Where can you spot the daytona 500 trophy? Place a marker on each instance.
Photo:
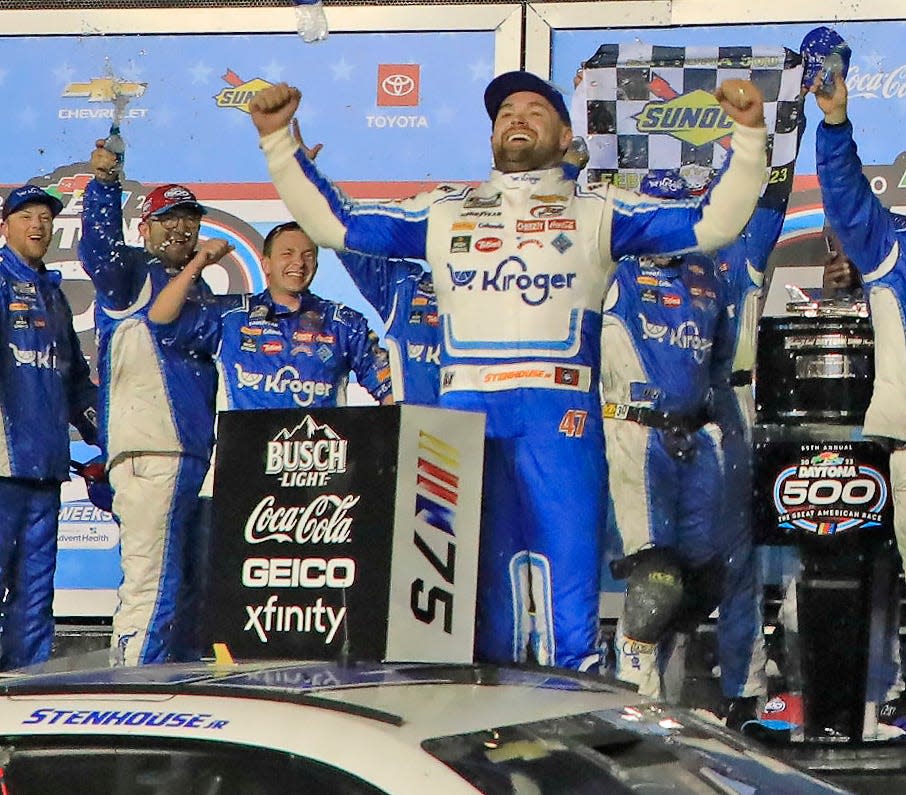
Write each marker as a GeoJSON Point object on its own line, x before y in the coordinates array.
{"type": "Point", "coordinates": [823, 488]}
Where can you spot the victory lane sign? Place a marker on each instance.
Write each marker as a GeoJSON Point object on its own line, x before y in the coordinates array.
{"type": "Point", "coordinates": [348, 532]}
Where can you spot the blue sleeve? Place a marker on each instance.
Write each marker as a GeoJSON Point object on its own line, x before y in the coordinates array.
{"type": "Point", "coordinates": [648, 226]}
{"type": "Point", "coordinates": [367, 359]}
{"type": "Point", "coordinates": [199, 327]}
{"type": "Point", "coordinates": [332, 219]}
{"type": "Point", "coordinates": [865, 227]}
{"type": "Point", "coordinates": [380, 279]}
{"type": "Point", "coordinates": [82, 392]}
{"type": "Point", "coordinates": [108, 261]}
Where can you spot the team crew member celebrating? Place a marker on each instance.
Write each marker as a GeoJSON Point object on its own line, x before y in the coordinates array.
{"type": "Point", "coordinates": [874, 240]}
{"type": "Point", "coordinates": [521, 330]}
{"type": "Point", "coordinates": [284, 347]}
{"type": "Point", "coordinates": [157, 402]}
{"type": "Point", "coordinates": [44, 385]}
{"type": "Point", "coordinates": [666, 338]}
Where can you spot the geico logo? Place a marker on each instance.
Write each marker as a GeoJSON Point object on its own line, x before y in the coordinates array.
{"type": "Point", "coordinates": [298, 573]}
{"type": "Point", "coordinates": [321, 455]}
{"type": "Point", "coordinates": [535, 289]}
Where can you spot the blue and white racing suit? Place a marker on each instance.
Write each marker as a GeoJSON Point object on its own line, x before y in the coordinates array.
{"type": "Point", "coordinates": [270, 357]}
{"type": "Point", "coordinates": [44, 386]}
{"type": "Point", "coordinates": [157, 418]}
{"type": "Point", "coordinates": [666, 349]}
{"type": "Point", "coordinates": [402, 293]}
{"type": "Point", "coordinates": [740, 637]}
{"type": "Point", "coordinates": [520, 265]}
{"type": "Point", "coordinates": [874, 239]}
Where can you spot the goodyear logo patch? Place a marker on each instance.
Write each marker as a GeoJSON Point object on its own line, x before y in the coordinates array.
{"type": "Point", "coordinates": [695, 118]}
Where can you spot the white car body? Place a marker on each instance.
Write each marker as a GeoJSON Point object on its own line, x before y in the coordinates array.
{"type": "Point", "coordinates": [407, 729]}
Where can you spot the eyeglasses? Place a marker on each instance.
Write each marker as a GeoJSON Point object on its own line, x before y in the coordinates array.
{"type": "Point", "coordinates": [171, 221]}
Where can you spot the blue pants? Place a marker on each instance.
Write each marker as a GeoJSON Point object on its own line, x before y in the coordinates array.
{"type": "Point", "coordinates": [740, 641]}
{"type": "Point", "coordinates": [29, 512]}
{"type": "Point", "coordinates": [540, 553]}
{"type": "Point", "coordinates": [662, 500]}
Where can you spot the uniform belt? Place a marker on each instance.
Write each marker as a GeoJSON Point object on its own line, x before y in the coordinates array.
{"type": "Point", "coordinates": [518, 375]}
{"type": "Point", "coordinates": [741, 378]}
{"type": "Point", "coordinates": [662, 420]}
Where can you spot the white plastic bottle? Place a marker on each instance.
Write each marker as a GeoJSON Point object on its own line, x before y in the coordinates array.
{"type": "Point", "coordinates": [311, 21]}
{"type": "Point", "coordinates": [833, 66]}
{"type": "Point", "coordinates": [115, 144]}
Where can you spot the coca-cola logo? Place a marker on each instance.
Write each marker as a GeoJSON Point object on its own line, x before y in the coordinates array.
{"type": "Point", "coordinates": [877, 85]}
{"type": "Point", "coordinates": [323, 521]}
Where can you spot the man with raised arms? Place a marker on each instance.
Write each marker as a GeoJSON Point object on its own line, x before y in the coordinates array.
{"type": "Point", "coordinates": [520, 266]}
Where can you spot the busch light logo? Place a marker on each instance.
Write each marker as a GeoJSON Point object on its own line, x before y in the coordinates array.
{"type": "Point", "coordinates": [306, 455]}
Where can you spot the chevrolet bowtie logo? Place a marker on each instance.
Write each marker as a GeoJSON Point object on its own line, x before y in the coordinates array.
{"type": "Point", "coordinates": [104, 89]}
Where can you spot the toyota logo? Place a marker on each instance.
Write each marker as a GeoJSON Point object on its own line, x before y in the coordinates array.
{"type": "Point", "coordinates": [398, 85]}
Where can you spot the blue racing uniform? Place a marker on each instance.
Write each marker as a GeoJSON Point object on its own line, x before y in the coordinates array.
{"type": "Point", "coordinates": [44, 386]}
{"type": "Point", "coordinates": [667, 350]}
{"type": "Point", "coordinates": [269, 356]}
{"type": "Point", "coordinates": [740, 637]}
{"type": "Point", "coordinates": [874, 239]}
{"type": "Point", "coordinates": [157, 418]}
{"type": "Point", "coordinates": [520, 265]}
{"type": "Point", "coordinates": [402, 293]}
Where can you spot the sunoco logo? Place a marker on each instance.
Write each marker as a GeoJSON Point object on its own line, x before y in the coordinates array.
{"type": "Point", "coordinates": [306, 455]}
{"type": "Point", "coordinates": [240, 92]}
{"type": "Point", "coordinates": [694, 117]}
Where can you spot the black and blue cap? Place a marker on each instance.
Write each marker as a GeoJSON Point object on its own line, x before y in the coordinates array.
{"type": "Point", "coordinates": [511, 82]}
{"type": "Point", "coordinates": [29, 194]}
{"type": "Point", "coordinates": [817, 44]}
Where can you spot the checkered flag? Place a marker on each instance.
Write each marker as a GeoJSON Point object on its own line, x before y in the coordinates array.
{"type": "Point", "coordinates": [644, 107]}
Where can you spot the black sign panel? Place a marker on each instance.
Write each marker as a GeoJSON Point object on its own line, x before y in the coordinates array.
{"type": "Point", "coordinates": [303, 525]}
{"type": "Point", "coordinates": [813, 488]}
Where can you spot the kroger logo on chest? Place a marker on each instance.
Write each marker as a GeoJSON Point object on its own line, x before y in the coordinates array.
{"type": "Point", "coordinates": [512, 275]}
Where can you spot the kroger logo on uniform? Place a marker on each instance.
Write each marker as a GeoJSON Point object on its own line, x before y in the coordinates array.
{"type": "Point", "coordinates": [286, 379]}
{"type": "Point", "coordinates": [685, 336]}
{"type": "Point", "coordinates": [512, 274]}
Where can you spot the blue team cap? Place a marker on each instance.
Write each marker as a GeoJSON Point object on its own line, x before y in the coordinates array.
{"type": "Point", "coordinates": [816, 46]}
{"type": "Point", "coordinates": [665, 184]}
{"type": "Point", "coordinates": [511, 82]}
{"type": "Point", "coordinates": [30, 194]}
